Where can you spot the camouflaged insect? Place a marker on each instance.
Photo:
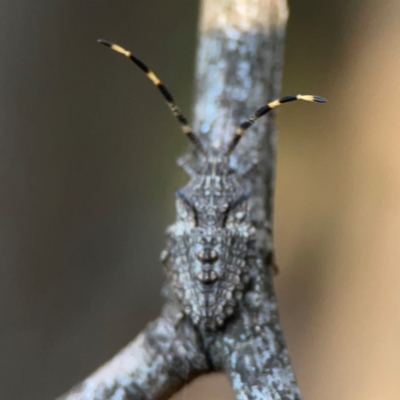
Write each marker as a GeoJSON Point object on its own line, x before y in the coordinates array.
{"type": "Point", "coordinates": [211, 244]}
{"type": "Point", "coordinates": [211, 258]}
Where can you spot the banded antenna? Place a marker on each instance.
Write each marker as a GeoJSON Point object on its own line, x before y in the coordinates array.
{"type": "Point", "coordinates": [187, 130]}
{"type": "Point", "coordinates": [264, 110]}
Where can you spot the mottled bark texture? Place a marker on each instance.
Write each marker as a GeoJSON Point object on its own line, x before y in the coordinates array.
{"type": "Point", "coordinates": [238, 69]}
{"type": "Point", "coordinates": [161, 359]}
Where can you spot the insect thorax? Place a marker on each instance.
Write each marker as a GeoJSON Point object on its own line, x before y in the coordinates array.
{"type": "Point", "coordinates": [211, 245]}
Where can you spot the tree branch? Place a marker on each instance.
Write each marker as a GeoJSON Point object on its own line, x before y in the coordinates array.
{"type": "Point", "coordinates": [157, 363]}
{"type": "Point", "coordinates": [239, 68]}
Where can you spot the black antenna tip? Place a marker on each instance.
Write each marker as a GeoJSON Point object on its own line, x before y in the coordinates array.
{"type": "Point", "coordinates": [104, 42]}
{"type": "Point", "coordinates": [319, 99]}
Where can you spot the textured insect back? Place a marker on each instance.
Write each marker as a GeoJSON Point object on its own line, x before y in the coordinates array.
{"type": "Point", "coordinates": [207, 262]}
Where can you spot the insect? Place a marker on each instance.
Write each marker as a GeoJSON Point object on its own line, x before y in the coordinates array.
{"type": "Point", "coordinates": [211, 259]}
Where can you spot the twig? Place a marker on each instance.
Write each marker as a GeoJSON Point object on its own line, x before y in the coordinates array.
{"type": "Point", "coordinates": [238, 70]}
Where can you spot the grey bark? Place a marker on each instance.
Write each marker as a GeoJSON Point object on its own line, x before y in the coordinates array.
{"type": "Point", "coordinates": [161, 359]}
{"type": "Point", "coordinates": [239, 68]}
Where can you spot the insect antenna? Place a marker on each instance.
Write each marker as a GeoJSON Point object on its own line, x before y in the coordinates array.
{"type": "Point", "coordinates": [187, 130]}
{"type": "Point", "coordinates": [264, 110]}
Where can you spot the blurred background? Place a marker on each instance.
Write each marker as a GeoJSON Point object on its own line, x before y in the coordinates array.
{"type": "Point", "coordinates": [87, 174]}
